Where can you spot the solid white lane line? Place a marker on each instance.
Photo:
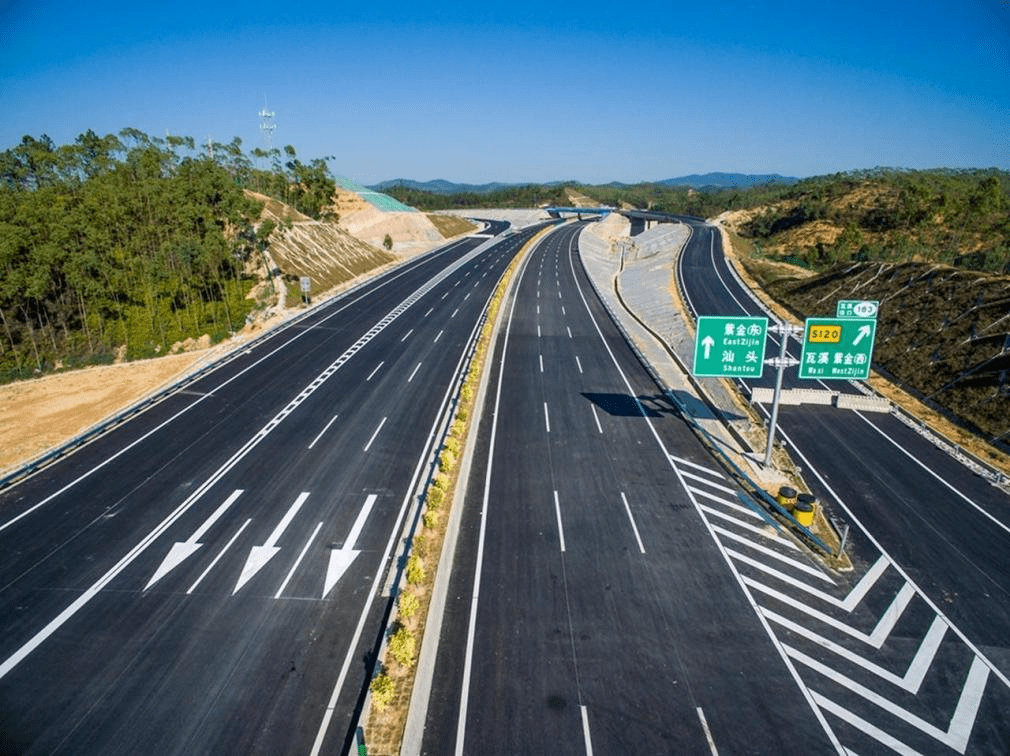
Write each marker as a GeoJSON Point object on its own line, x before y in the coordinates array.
{"type": "Point", "coordinates": [547, 418]}
{"type": "Point", "coordinates": [585, 731]}
{"type": "Point", "coordinates": [414, 373]}
{"type": "Point", "coordinates": [406, 335]}
{"type": "Point", "coordinates": [561, 531]}
{"type": "Point", "coordinates": [708, 732]}
{"type": "Point", "coordinates": [369, 444]}
{"type": "Point", "coordinates": [995, 521]}
{"type": "Point", "coordinates": [634, 527]}
{"type": "Point", "coordinates": [325, 428]}
{"type": "Point", "coordinates": [596, 418]}
{"type": "Point", "coordinates": [375, 371]}
{"type": "Point", "coordinates": [298, 561]}
{"type": "Point", "coordinates": [437, 337]}
{"type": "Point", "coordinates": [218, 557]}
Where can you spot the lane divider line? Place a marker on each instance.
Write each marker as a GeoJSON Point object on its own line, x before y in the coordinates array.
{"type": "Point", "coordinates": [561, 531]}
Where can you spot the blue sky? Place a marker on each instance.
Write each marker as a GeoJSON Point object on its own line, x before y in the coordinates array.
{"type": "Point", "coordinates": [513, 91]}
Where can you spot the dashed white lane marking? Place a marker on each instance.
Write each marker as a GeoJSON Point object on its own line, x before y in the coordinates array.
{"type": "Point", "coordinates": [561, 530]}
{"type": "Point", "coordinates": [634, 527]}
{"type": "Point", "coordinates": [376, 433]}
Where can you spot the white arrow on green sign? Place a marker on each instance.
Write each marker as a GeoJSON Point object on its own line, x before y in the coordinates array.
{"type": "Point", "coordinates": [837, 348]}
{"type": "Point", "coordinates": [730, 347]}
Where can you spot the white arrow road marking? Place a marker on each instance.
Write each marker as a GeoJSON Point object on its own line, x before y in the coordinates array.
{"type": "Point", "coordinates": [341, 559]}
{"type": "Point", "coordinates": [864, 331]}
{"type": "Point", "coordinates": [181, 551]}
{"type": "Point", "coordinates": [260, 555]}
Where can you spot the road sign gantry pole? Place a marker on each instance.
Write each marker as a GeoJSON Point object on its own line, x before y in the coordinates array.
{"type": "Point", "coordinates": [785, 330]}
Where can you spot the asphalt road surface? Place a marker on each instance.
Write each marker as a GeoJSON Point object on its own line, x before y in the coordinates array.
{"type": "Point", "coordinates": [208, 577]}
{"type": "Point", "coordinates": [591, 611]}
{"type": "Point", "coordinates": [931, 543]}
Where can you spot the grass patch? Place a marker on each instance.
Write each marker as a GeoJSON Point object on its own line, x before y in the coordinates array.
{"type": "Point", "coordinates": [451, 225]}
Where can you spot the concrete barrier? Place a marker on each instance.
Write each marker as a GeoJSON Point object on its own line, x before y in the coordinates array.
{"type": "Point", "coordinates": [863, 403]}
{"type": "Point", "coordinates": [792, 396]}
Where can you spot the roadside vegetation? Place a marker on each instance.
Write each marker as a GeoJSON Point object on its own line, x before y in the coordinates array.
{"type": "Point", "coordinates": [119, 246]}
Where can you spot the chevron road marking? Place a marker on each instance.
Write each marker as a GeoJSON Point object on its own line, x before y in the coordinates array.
{"type": "Point", "coordinates": [758, 531]}
{"type": "Point", "coordinates": [880, 632]}
{"type": "Point", "coordinates": [793, 564]}
{"type": "Point", "coordinates": [917, 668]}
{"type": "Point", "coordinates": [962, 721]}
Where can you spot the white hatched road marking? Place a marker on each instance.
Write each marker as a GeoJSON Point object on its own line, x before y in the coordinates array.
{"type": "Point", "coordinates": [957, 734]}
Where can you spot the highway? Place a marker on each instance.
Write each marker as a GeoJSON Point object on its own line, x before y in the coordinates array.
{"type": "Point", "coordinates": [930, 538]}
{"type": "Point", "coordinates": [209, 576]}
{"type": "Point", "coordinates": [591, 611]}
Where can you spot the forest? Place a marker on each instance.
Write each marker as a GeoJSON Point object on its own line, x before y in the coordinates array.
{"type": "Point", "coordinates": [960, 217]}
{"type": "Point", "coordinates": [124, 244]}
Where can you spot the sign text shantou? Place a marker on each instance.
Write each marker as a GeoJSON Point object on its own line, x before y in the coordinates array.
{"type": "Point", "coordinates": [732, 347]}
{"type": "Point", "coordinates": [837, 348]}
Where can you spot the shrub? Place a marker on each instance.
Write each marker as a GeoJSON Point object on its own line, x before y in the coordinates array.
{"type": "Point", "coordinates": [458, 428]}
{"type": "Point", "coordinates": [415, 570]}
{"type": "Point", "coordinates": [401, 645]}
{"type": "Point", "coordinates": [442, 481]}
{"type": "Point", "coordinates": [452, 444]}
{"type": "Point", "coordinates": [382, 691]}
{"type": "Point", "coordinates": [408, 605]}
{"type": "Point", "coordinates": [446, 460]}
{"type": "Point", "coordinates": [435, 498]}
{"type": "Point", "coordinates": [431, 519]}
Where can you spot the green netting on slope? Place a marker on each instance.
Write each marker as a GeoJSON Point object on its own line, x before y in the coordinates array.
{"type": "Point", "coordinates": [376, 199]}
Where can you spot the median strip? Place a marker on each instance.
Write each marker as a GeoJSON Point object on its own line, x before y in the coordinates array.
{"type": "Point", "coordinates": [391, 691]}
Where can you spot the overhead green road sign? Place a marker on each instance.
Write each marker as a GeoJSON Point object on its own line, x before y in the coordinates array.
{"type": "Point", "coordinates": [837, 348]}
{"type": "Point", "coordinates": [730, 347]}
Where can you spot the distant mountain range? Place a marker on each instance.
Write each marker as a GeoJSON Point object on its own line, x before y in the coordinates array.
{"type": "Point", "coordinates": [695, 181]}
{"type": "Point", "coordinates": [726, 180]}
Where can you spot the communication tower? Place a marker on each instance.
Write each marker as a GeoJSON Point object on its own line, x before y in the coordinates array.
{"type": "Point", "coordinates": [267, 124]}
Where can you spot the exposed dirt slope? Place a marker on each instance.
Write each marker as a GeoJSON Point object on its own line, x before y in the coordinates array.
{"type": "Point", "coordinates": [942, 332]}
